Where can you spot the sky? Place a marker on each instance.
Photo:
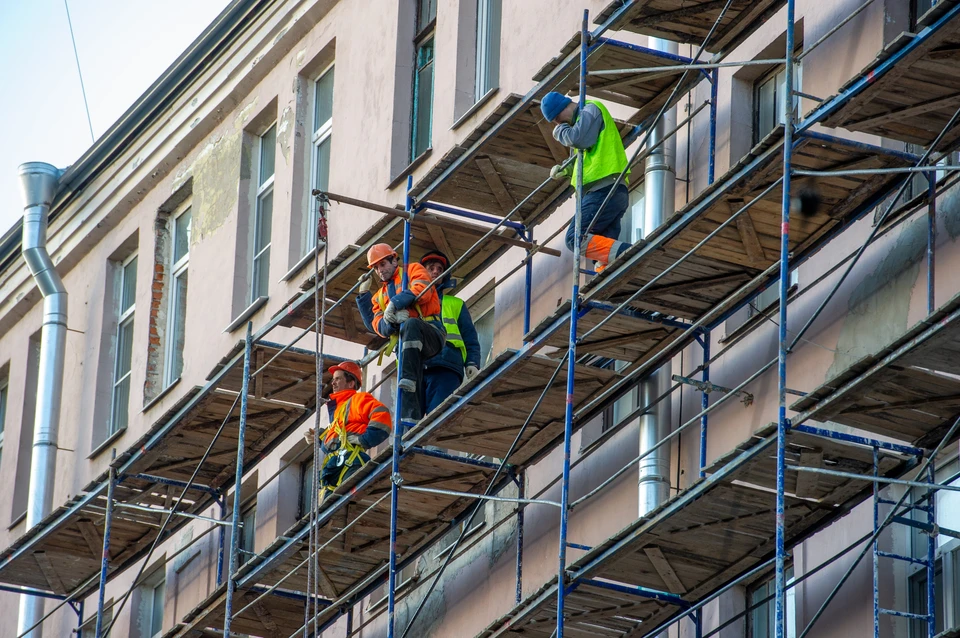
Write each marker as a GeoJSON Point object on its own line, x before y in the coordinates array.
{"type": "Point", "coordinates": [123, 46]}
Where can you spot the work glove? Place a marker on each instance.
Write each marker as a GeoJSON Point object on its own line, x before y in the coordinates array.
{"type": "Point", "coordinates": [558, 172]}
{"type": "Point", "coordinates": [365, 284]}
{"type": "Point", "coordinates": [332, 445]}
{"type": "Point", "coordinates": [353, 439]}
{"type": "Point", "coordinates": [471, 371]}
{"type": "Point", "coordinates": [309, 435]}
{"type": "Point", "coordinates": [390, 313]}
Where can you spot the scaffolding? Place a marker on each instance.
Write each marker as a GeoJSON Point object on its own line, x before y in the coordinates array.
{"type": "Point", "coordinates": [666, 294]}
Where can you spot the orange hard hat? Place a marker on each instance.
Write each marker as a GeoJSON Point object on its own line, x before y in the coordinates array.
{"type": "Point", "coordinates": [350, 367]}
{"type": "Point", "coordinates": [379, 252]}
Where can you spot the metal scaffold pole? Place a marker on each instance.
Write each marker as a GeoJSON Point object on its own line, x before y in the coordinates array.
{"type": "Point", "coordinates": [572, 344]}
{"type": "Point", "coordinates": [788, 126]}
{"type": "Point", "coordinates": [397, 436]}
{"type": "Point", "coordinates": [105, 558]}
{"type": "Point", "coordinates": [235, 531]}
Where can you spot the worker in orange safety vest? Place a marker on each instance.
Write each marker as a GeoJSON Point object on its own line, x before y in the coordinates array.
{"type": "Point", "coordinates": [358, 422]}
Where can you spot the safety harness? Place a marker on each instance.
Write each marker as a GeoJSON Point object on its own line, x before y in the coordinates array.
{"type": "Point", "coordinates": [345, 456]}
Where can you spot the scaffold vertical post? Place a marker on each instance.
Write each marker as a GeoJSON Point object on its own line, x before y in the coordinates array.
{"type": "Point", "coordinates": [221, 541]}
{"type": "Point", "coordinates": [528, 285]}
{"type": "Point", "coordinates": [712, 159]}
{"type": "Point", "coordinates": [704, 402]}
{"type": "Point", "coordinates": [931, 239]}
{"type": "Point", "coordinates": [521, 491]}
{"type": "Point", "coordinates": [349, 622]}
{"type": "Point", "coordinates": [235, 531]}
{"type": "Point", "coordinates": [79, 610]}
{"type": "Point", "coordinates": [397, 436]}
{"type": "Point", "coordinates": [105, 557]}
{"type": "Point", "coordinates": [876, 543]}
{"type": "Point", "coordinates": [788, 118]}
{"type": "Point", "coordinates": [932, 552]}
{"type": "Point", "coordinates": [572, 344]}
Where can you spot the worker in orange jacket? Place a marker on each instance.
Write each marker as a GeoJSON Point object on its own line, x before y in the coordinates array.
{"type": "Point", "coordinates": [398, 313]}
{"type": "Point", "coordinates": [358, 422]}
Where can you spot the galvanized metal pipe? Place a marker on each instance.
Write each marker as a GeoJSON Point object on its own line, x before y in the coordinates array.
{"type": "Point", "coordinates": [678, 68]}
{"type": "Point", "coordinates": [38, 185]}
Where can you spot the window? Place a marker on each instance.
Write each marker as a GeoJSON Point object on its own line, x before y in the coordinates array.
{"type": "Point", "coordinates": [631, 226]}
{"type": "Point", "coordinates": [263, 220]}
{"type": "Point", "coordinates": [769, 95]}
{"type": "Point", "coordinates": [918, 600]}
{"type": "Point", "coordinates": [154, 596]}
{"type": "Point", "coordinates": [248, 532]}
{"type": "Point", "coordinates": [89, 628]}
{"type": "Point", "coordinates": [483, 314]}
{"type": "Point", "coordinates": [177, 312]}
{"type": "Point", "coordinates": [322, 140]}
{"type": "Point", "coordinates": [771, 295]}
{"type": "Point", "coordinates": [3, 412]}
{"type": "Point", "coordinates": [423, 77]}
{"type": "Point", "coordinates": [917, 10]}
{"type": "Point", "coordinates": [488, 46]}
{"type": "Point", "coordinates": [306, 487]}
{"type": "Point", "coordinates": [761, 620]}
{"type": "Point", "coordinates": [120, 402]}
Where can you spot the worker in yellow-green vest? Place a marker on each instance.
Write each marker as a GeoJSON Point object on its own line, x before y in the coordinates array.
{"type": "Point", "coordinates": [593, 131]}
{"type": "Point", "coordinates": [460, 357]}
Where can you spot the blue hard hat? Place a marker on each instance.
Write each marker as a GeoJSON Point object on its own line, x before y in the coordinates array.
{"type": "Point", "coordinates": [552, 104]}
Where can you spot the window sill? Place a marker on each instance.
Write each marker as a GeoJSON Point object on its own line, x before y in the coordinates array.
{"type": "Point", "coordinates": [258, 303]}
{"type": "Point", "coordinates": [101, 447]}
{"type": "Point", "coordinates": [412, 166]}
{"type": "Point", "coordinates": [297, 267]}
{"type": "Point", "coordinates": [155, 400]}
{"type": "Point", "coordinates": [752, 322]}
{"type": "Point", "coordinates": [486, 97]}
{"type": "Point", "coordinates": [17, 520]}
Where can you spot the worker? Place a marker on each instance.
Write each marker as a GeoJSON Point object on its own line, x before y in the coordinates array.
{"type": "Point", "coordinates": [460, 358]}
{"type": "Point", "coordinates": [594, 132]}
{"type": "Point", "coordinates": [358, 422]}
{"type": "Point", "coordinates": [392, 312]}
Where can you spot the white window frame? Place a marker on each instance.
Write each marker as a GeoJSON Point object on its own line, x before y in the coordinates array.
{"type": "Point", "coordinates": [487, 75]}
{"type": "Point", "coordinates": [178, 269]}
{"type": "Point", "coordinates": [322, 134]}
{"type": "Point", "coordinates": [791, 607]}
{"type": "Point", "coordinates": [125, 320]}
{"type": "Point", "coordinates": [779, 96]}
{"type": "Point", "coordinates": [264, 189]}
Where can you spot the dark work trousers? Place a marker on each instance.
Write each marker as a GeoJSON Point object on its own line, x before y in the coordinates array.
{"type": "Point", "coordinates": [438, 384]}
{"type": "Point", "coordinates": [608, 223]}
{"type": "Point", "coordinates": [420, 340]}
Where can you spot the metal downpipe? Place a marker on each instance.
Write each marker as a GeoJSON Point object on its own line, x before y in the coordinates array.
{"type": "Point", "coordinates": [38, 185]}
{"type": "Point", "coordinates": [659, 203]}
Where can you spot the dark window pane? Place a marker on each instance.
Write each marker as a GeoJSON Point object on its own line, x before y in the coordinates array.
{"type": "Point", "coordinates": [426, 12]}
{"type": "Point", "coordinates": [129, 280]}
{"type": "Point", "coordinates": [264, 221]}
{"type": "Point", "coordinates": [323, 164]}
{"type": "Point", "coordinates": [423, 100]}
{"type": "Point", "coordinates": [323, 108]}
{"type": "Point", "coordinates": [181, 234]}
{"type": "Point", "coordinates": [180, 307]}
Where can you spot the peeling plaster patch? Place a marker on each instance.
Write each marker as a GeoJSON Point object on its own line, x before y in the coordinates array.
{"type": "Point", "coordinates": [284, 129]}
{"type": "Point", "coordinates": [136, 163]}
{"type": "Point", "coordinates": [879, 306]}
{"type": "Point", "coordinates": [279, 36]}
{"type": "Point", "coordinates": [181, 178]}
{"type": "Point", "coordinates": [194, 122]}
{"type": "Point", "coordinates": [301, 56]}
{"type": "Point", "coordinates": [245, 112]}
{"type": "Point", "coordinates": [194, 101]}
{"type": "Point", "coordinates": [215, 190]}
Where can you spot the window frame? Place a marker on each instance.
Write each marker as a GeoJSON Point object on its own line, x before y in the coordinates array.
{"type": "Point", "coordinates": [767, 584]}
{"type": "Point", "coordinates": [487, 67]}
{"type": "Point", "coordinates": [259, 253]}
{"type": "Point", "coordinates": [306, 466]}
{"type": "Point", "coordinates": [425, 36]}
{"type": "Point", "coordinates": [245, 553]}
{"type": "Point", "coordinates": [125, 321]}
{"type": "Point", "coordinates": [151, 591]}
{"type": "Point", "coordinates": [4, 394]}
{"type": "Point", "coordinates": [772, 75]}
{"type": "Point", "coordinates": [178, 269]}
{"type": "Point", "coordinates": [322, 134]}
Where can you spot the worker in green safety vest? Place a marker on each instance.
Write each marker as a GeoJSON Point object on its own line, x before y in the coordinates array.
{"type": "Point", "coordinates": [593, 131]}
{"type": "Point", "coordinates": [460, 357]}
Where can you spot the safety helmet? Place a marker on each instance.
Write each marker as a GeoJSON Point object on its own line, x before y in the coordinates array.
{"type": "Point", "coordinates": [379, 252]}
{"type": "Point", "coordinates": [349, 367]}
{"type": "Point", "coordinates": [435, 255]}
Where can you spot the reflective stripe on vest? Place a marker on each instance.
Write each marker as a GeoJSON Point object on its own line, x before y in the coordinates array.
{"type": "Point", "coordinates": [451, 307]}
{"type": "Point", "coordinates": [606, 157]}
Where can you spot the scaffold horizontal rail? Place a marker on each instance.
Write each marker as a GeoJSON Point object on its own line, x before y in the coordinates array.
{"type": "Point", "coordinates": [646, 93]}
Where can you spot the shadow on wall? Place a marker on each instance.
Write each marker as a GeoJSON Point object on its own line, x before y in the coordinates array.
{"type": "Point", "coordinates": [880, 304]}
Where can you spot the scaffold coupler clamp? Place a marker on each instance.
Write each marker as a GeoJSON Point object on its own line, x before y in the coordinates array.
{"type": "Point", "coordinates": [396, 479]}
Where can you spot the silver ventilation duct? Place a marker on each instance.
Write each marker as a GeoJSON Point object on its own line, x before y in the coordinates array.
{"type": "Point", "coordinates": [38, 184]}
{"type": "Point", "coordinates": [659, 203]}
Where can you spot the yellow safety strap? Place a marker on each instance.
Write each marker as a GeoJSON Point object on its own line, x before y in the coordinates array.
{"type": "Point", "coordinates": [355, 451]}
{"type": "Point", "coordinates": [394, 339]}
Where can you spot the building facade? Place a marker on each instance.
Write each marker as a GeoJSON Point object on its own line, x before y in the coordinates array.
{"type": "Point", "coordinates": [193, 218]}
